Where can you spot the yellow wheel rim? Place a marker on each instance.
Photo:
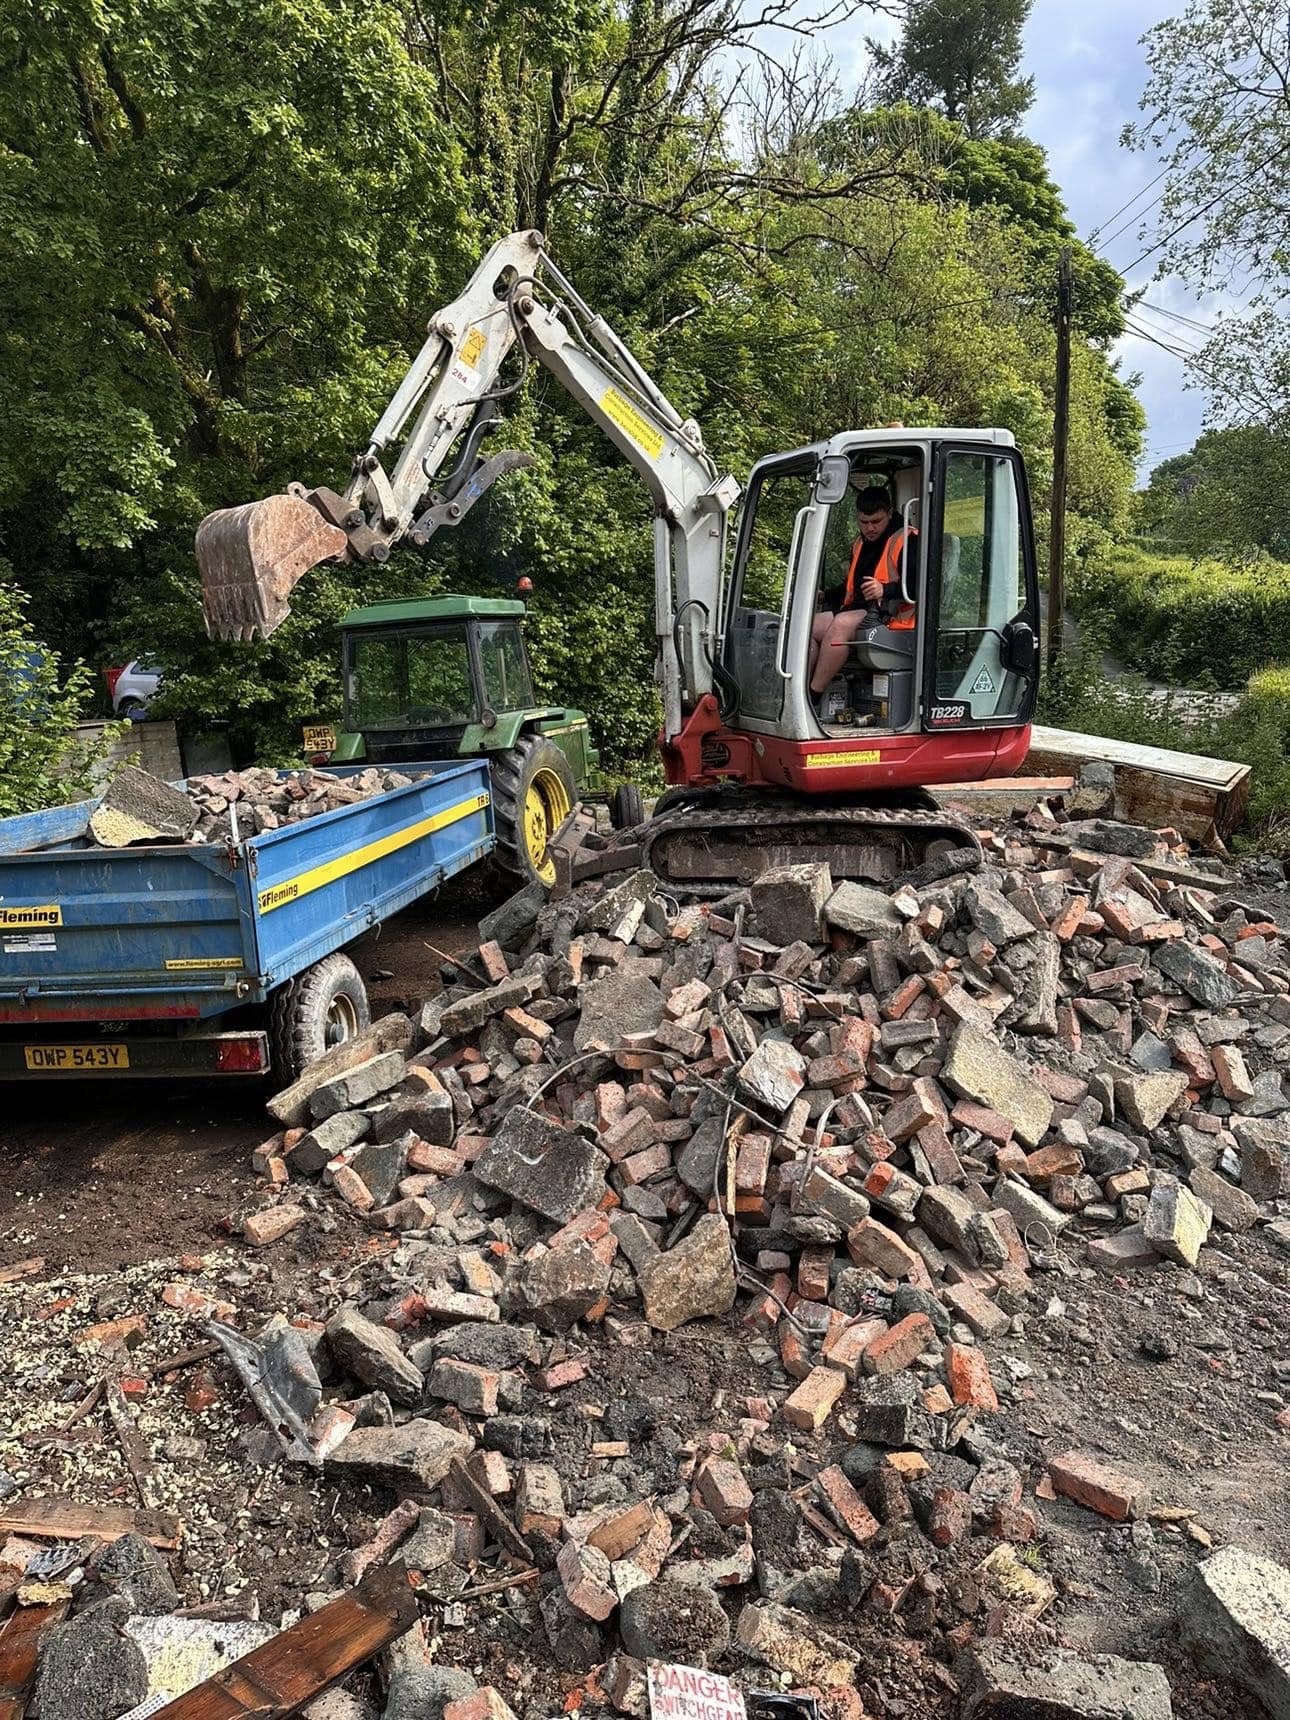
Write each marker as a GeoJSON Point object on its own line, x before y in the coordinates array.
{"type": "Point", "coordinates": [546, 806]}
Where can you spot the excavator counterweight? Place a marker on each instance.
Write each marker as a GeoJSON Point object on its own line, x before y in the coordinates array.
{"type": "Point", "coordinates": [251, 558]}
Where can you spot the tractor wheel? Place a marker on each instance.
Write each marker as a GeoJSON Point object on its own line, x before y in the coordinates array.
{"type": "Point", "coordinates": [626, 809]}
{"type": "Point", "coordinates": [326, 1005]}
{"type": "Point", "coordinates": [533, 793]}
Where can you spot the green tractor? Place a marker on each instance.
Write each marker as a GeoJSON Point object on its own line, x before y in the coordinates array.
{"type": "Point", "coordinates": [448, 677]}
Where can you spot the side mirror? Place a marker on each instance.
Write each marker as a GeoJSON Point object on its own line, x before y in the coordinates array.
{"type": "Point", "coordinates": [832, 478]}
{"type": "Point", "coordinates": [1020, 648]}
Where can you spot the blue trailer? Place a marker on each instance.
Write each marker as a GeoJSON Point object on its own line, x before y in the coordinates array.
{"type": "Point", "coordinates": [215, 959]}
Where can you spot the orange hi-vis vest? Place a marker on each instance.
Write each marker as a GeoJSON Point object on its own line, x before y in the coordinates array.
{"type": "Point", "coordinates": [887, 572]}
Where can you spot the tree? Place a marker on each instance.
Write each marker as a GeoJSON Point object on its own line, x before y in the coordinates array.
{"type": "Point", "coordinates": [1228, 495]}
{"type": "Point", "coordinates": [1217, 108]}
{"type": "Point", "coordinates": [43, 761]}
{"type": "Point", "coordinates": [962, 56]}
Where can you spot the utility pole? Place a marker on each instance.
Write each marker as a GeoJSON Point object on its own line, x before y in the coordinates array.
{"type": "Point", "coordinates": [1061, 434]}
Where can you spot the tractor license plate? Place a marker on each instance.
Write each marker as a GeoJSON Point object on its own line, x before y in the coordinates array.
{"type": "Point", "coordinates": [50, 1059]}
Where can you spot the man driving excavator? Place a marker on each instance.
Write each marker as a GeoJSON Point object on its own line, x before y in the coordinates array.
{"type": "Point", "coordinates": [872, 587]}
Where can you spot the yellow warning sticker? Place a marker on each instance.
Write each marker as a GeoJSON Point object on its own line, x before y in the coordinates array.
{"type": "Point", "coordinates": [631, 422]}
{"type": "Point", "coordinates": [833, 760]}
{"type": "Point", "coordinates": [200, 963]}
{"type": "Point", "coordinates": [50, 914]}
{"type": "Point", "coordinates": [291, 889]}
{"type": "Point", "coordinates": [472, 346]}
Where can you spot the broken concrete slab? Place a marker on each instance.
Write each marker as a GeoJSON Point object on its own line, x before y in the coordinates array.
{"type": "Point", "coordinates": [1176, 1223]}
{"type": "Point", "coordinates": [691, 1281]}
{"type": "Point", "coordinates": [1234, 1618]}
{"type": "Point", "coordinates": [542, 1166]}
{"type": "Point", "coordinates": [979, 1068]}
{"type": "Point", "coordinates": [862, 911]}
{"type": "Point", "coordinates": [1005, 1680]}
{"type": "Point", "coordinates": [139, 807]}
{"type": "Point", "coordinates": [413, 1459]}
{"type": "Point", "coordinates": [613, 1006]}
{"type": "Point", "coordinates": [788, 902]}
{"type": "Point", "coordinates": [372, 1354]}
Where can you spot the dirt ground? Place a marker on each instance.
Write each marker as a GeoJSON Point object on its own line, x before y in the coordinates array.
{"type": "Point", "coordinates": [1176, 1377]}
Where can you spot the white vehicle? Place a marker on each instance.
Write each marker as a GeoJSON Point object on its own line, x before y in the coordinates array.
{"type": "Point", "coordinates": [135, 688]}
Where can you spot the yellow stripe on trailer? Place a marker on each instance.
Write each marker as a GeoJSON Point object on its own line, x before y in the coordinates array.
{"type": "Point", "coordinates": [825, 761]}
{"type": "Point", "coordinates": [292, 889]}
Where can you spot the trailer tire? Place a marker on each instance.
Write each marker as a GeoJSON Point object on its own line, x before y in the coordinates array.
{"type": "Point", "coordinates": [533, 793]}
{"type": "Point", "coordinates": [322, 1007]}
{"type": "Point", "coordinates": [626, 808]}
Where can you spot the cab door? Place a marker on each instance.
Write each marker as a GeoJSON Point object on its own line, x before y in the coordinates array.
{"type": "Point", "coordinates": [981, 650]}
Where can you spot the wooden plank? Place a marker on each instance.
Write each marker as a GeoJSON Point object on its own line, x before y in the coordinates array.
{"type": "Point", "coordinates": [282, 1676]}
{"type": "Point", "coordinates": [1218, 774]}
{"type": "Point", "coordinates": [22, 1269]}
{"type": "Point", "coordinates": [1155, 786]}
{"type": "Point", "coordinates": [19, 1652]}
{"type": "Point", "coordinates": [61, 1519]}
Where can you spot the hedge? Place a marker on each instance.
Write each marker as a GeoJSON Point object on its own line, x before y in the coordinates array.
{"type": "Point", "coordinates": [1188, 623]}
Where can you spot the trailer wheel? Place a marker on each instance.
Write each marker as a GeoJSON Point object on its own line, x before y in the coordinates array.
{"type": "Point", "coordinates": [533, 793]}
{"type": "Point", "coordinates": [626, 808]}
{"type": "Point", "coordinates": [324, 1006]}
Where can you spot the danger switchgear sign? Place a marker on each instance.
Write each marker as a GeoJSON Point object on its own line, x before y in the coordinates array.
{"type": "Point", "coordinates": [687, 1693]}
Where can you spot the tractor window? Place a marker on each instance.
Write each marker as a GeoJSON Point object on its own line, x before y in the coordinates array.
{"type": "Point", "coordinates": [405, 679]}
{"type": "Point", "coordinates": [766, 537]}
{"type": "Point", "coordinates": [508, 685]}
{"type": "Point", "coordinates": [983, 586]}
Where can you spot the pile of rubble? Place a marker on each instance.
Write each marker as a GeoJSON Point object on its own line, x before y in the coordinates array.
{"type": "Point", "coordinates": [139, 807]}
{"type": "Point", "coordinates": [877, 1114]}
{"type": "Point", "coordinates": [855, 1135]}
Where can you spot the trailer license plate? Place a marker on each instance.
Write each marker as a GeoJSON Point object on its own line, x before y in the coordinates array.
{"type": "Point", "coordinates": [52, 1058]}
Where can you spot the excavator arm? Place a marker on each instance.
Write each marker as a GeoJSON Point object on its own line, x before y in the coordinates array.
{"type": "Point", "coordinates": [251, 557]}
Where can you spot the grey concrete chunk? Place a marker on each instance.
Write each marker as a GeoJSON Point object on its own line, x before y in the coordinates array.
{"type": "Point", "coordinates": [1015, 1681]}
{"type": "Point", "coordinates": [1232, 1208]}
{"type": "Point", "coordinates": [979, 1068]}
{"type": "Point", "coordinates": [393, 1032]}
{"type": "Point", "coordinates": [1029, 1208]}
{"type": "Point", "coordinates": [372, 1354]}
{"type": "Point", "coordinates": [994, 915]}
{"type": "Point", "coordinates": [774, 1075]}
{"type": "Point", "coordinates": [139, 807]}
{"type": "Point", "coordinates": [1197, 973]}
{"type": "Point", "coordinates": [424, 1113]}
{"type": "Point", "coordinates": [89, 1669]}
{"type": "Point", "coordinates": [314, 1151]}
{"type": "Point", "coordinates": [510, 924]}
{"type": "Point", "coordinates": [1144, 1099]}
{"type": "Point", "coordinates": [694, 1279]}
{"type": "Point", "coordinates": [788, 902]}
{"type": "Point", "coordinates": [862, 911]}
{"type": "Point", "coordinates": [1175, 1223]}
{"type": "Point", "coordinates": [542, 1166]}
{"type": "Point", "coordinates": [1235, 1619]}
{"type": "Point", "coordinates": [468, 1014]}
{"type": "Point", "coordinates": [559, 1287]}
{"type": "Point", "coordinates": [412, 1459]}
{"type": "Point", "coordinates": [356, 1086]}
{"type": "Point", "coordinates": [613, 1005]}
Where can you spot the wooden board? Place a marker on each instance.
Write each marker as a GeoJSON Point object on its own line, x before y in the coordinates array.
{"type": "Point", "coordinates": [1155, 786]}
{"type": "Point", "coordinates": [20, 1650]}
{"type": "Point", "coordinates": [274, 1681]}
{"type": "Point", "coordinates": [62, 1519]}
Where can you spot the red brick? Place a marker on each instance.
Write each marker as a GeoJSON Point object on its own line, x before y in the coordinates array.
{"type": "Point", "coordinates": [1055, 1161]}
{"type": "Point", "coordinates": [895, 1350]}
{"type": "Point", "coordinates": [813, 1273]}
{"type": "Point", "coordinates": [494, 961]}
{"type": "Point", "coordinates": [349, 1186]}
{"type": "Point", "coordinates": [490, 1470]}
{"type": "Point", "coordinates": [539, 1500]}
{"type": "Point", "coordinates": [895, 1007]}
{"type": "Point", "coordinates": [1233, 1077]}
{"type": "Point", "coordinates": [809, 1407]}
{"type": "Point", "coordinates": [483, 1704]}
{"type": "Point", "coordinates": [845, 1348]}
{"type": "Point", "coordinates": [438, 1161]}
{"type": "Point", "coordinates": [272, 1223]}
{"type": "Point", "coordinates": [628, 1135]}
{"type": "Point", "coordinates": [559, 1375]}
{"type": "Point", "coordinates": [1086, 1479]}
{"type": "Point", "coordinates": [793, 1352]}
{"type": "Point", "coordinates": [1067, 922]}
{"type": "Point", "coordinates": [968, 1374]}
{"type": "Point", "coordinates": [976, 1310]}
{"type": "Point", "coordinates": [752, 1164]}
{"type": "Point", "coordinates": [981, 1118]}
{"type": "Point", "coordinates": [872, 1244]}
{"type": "Point", "coordinates": [724, 1491]}
{"type": "Point", "coordinates": [847, 1505]}
{"type": "Point", "coordinates": [470, 1387]}
{"type": "Point", "coordinates": [938, 1150]}
{"type": "Point", "coordinates": [951, 1517]}
{"type": "Point", "coordinates": [640, 1167]}
{"type": "Point", "coordinates": [587, 1579]}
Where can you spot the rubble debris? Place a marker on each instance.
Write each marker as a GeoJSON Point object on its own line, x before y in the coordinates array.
{"type": "Point", "coordinates": [89, 1668]}
{"type": "Point", "coordinates": [23, 1636]}
{"type": "Point", "coordinates": [670, 1620]}
{"type": "Point", "coordinates": [692, 1281]}
{"type": "Point", "coordinates": [238, 804]}
{"type": "Point", "coordinates": [1235, 1619]}
{"type": "Point", "coordinates": [412, 1459]}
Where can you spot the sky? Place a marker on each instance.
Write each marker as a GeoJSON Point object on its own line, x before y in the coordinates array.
{"type": "Point", "coordinates": [1090, 69]}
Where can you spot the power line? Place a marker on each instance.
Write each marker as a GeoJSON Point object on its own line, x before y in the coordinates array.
{"type": "Point", "coordinates": [1120, 211]}
{"type": "Point", "coordinates": [1176, 316]}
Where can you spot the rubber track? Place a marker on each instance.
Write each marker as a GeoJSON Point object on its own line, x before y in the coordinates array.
{"type": "Point", "coordinates": [910, 829]}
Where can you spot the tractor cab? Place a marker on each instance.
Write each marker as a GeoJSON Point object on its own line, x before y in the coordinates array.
{"type": "Point", "coordinates": [431, 677]}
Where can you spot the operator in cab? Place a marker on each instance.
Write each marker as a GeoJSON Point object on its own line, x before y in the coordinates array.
{"type": "Point", "coordinates": [871, 591]}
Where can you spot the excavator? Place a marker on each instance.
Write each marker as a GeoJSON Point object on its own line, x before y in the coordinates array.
{"type": "Point", "coordinates": [935, 688]}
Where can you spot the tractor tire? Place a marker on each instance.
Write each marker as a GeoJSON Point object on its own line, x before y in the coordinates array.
{"type": "Point", "coordinates": [626, 808]}
{"type": "Point", "coordinates": [322, 1007]}
{"type": "Point", "coordinates": [533, 794]}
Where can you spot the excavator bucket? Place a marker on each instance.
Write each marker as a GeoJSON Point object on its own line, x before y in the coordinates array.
{"type": "Point", "coordinates": [251, 558]}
